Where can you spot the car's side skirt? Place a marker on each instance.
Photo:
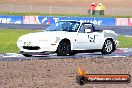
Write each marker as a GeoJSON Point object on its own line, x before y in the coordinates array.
{"type": "Point", "coordinates": [86, 51]}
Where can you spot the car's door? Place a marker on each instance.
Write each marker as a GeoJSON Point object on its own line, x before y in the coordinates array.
{"type": "Point", "coordinates": [95, 40]}
{"type": "Point", "coordinates": [87, 39]}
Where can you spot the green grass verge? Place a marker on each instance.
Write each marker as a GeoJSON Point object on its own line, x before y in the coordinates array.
{"type": "Point", "coordinates": [47, 14]}
{"type": "Point", "coordinates": [125, 42]}
{"type": "Point", "coordinates": [8, 38]}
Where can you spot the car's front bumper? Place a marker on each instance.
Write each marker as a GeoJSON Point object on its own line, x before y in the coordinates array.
{"type": "Point", "coordinates": [36, 53]}
{"type": "Point", "coordinates": [39, 47]}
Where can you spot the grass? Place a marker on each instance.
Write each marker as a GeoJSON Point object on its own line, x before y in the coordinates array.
{"type": "Point", "coordinates": [47, 14]}
{"type": "Point", "coordinates": [8, 38]}
{"type": "Point", "coordinates": [125, 42]}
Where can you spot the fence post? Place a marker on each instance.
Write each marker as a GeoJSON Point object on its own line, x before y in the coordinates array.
{"type": "Point", "coordinates": [50, 9]}
{"type": "Point", "coordinates": [70, 11]}
{"type": "Point", "coordinates": [11, 9]}
{"type": "Point", "coordinates": [31, 7]}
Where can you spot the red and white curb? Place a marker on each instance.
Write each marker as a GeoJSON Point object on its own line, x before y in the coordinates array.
{"type": "Point", "coordinates": [118, 51]}
{"type": "Point", "coordinates": [123, 50]}
{"type": "Point", "coordinates": [11, 55]}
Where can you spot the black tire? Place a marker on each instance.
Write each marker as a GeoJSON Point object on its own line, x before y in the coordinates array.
{"type": "Point", "coordinates": [108, 47]}
{"type": "Point", "coordinates": [26, 55]}
{"type": "Point", "coordinates": [72, 53]}
{"type": "Point", "coordinates": [81, 80]}
{"type": "Point", "coordinates": [64, 48]}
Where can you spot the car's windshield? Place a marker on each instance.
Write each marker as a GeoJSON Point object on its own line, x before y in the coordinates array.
{"type": "Point", "coordinates": [70, 26]}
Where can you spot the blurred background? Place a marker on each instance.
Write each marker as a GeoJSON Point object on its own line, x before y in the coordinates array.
{"type": "Point", "coordinates": [81, 7]}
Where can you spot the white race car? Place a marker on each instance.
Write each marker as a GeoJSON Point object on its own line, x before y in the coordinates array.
{"type": "Point", "coordinates": [68, 38]}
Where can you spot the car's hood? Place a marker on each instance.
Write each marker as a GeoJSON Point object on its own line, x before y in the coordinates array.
{"type": "Point", "coordinates": [42, 35]}
{"type": "Point", "coordinates": [109, 33]}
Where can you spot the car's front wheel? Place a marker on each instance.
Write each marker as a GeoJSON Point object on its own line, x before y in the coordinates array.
{"type": "Point", "coordinates": [64, 48]}
{"type": "Point", "coordinates": [108, 47]}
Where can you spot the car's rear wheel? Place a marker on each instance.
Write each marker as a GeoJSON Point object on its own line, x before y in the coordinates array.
{"type": "Point", "coordinates": [108, 47]}
{"type": "Point", "coordinates": [64, 48]}
{"type": "Point", "coordinates": [26, 55]}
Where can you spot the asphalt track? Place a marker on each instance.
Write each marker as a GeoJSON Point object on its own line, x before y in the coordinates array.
{"type": "Point", "coordinates": [122, 52]}
{"type": "Point", "coordinates": [124, 30]}
{"type": "Point", "coordinates": [121, 30]}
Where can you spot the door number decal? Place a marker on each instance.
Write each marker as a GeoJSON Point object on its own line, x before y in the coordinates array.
{"type": "Point", "coordinates": [92, 38]}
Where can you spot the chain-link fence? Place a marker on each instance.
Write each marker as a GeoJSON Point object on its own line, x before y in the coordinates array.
{"type": "Point", "coordinates": [120, 11]}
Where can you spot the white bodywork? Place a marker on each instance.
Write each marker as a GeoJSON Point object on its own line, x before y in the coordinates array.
{"type": "Point", "coordinates": [49, 40]}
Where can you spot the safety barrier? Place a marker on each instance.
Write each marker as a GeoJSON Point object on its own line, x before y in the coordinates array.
{"type": "Point", "coordinates": [52, 19]}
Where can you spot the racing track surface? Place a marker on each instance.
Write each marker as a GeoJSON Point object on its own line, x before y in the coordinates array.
{"type": "Point", "coordinates": [122, 30]}
{"type": "Point", "coordinates": [118, 53]}
{"type": "Point", "coordinates": [15, 57]}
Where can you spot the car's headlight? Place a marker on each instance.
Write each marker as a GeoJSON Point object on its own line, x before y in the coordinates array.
{"type": "Point", "coordinates": [43, 40]}
{"type": "Point", "coordinates": [51, 40]}
{"type": "Point", "coordinates": [19, 40]}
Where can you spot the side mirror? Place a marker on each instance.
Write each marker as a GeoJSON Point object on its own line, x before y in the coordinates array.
{"type": "Point", "coordinates": [88, 30]}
